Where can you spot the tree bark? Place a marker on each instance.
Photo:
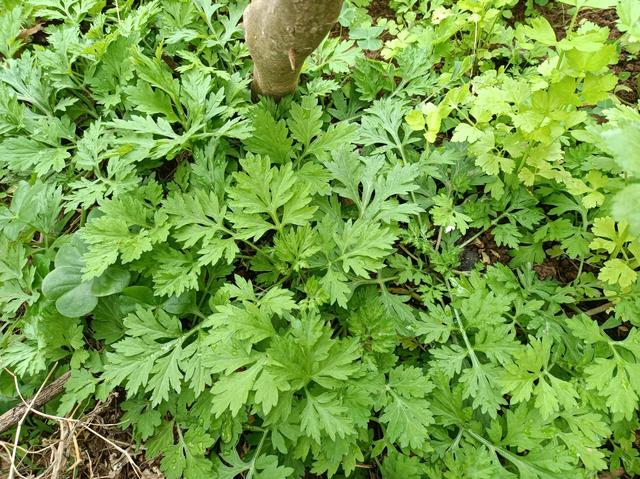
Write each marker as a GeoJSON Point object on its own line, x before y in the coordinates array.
{"type": "Point", "coordinates": [280, 35]}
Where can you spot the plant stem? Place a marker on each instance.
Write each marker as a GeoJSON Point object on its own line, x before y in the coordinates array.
{"type": "Point", "coordinates": [481, 232]}
{"type": "Point", "coordinates": [252, 465]}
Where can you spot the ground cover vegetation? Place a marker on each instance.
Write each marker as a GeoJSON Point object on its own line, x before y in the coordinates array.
{"type": "Point", "coordinates": [424, 264]}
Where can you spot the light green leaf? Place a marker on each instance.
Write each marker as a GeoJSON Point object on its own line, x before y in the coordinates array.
{"type": "Point", "coordinates": [231, 392]}
{"type": "Point", "coordinates": [617, 271]}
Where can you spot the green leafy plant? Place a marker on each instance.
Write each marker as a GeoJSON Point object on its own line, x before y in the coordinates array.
{"type": "Point", "coordinates": [423, 264]}
{"type": "Point", "coordinates": [73, 296]}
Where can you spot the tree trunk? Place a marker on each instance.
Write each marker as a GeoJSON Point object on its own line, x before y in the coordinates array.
{"type": "Point", "coordinates": [280, 35]}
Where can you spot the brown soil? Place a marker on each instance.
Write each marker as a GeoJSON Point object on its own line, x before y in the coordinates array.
{"type": "Point", "coordinates": [338, 31]}
{"type": "Point", "coordinates": [373, 55]}
{"type": "Point", "coordinates": [615, 474]}
{"type": "Point", "coordinates": [561, 269]}
{"type": "Point", "coordinates": [488, 251]}
{"type": "Point", "coordinates": [377, 9]}
{"type": "Point", "coordinates": [632, 66]}
{"type": "Point", "coordinates": [518, 11]}
{"type": "Point", "coordinates": [604, 18]}
{"type": "Point", "coordinates": [559, 16]}
{"type": "Point", "coordinates": [381, 9]}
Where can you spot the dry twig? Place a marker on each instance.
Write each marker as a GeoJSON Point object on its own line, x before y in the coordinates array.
{"type": "Point", "coordinates": [68, 435]}
{"type": "Point", "coordinates": [12, 465]}
{"type": "Point", "coordinates": [12, 416]}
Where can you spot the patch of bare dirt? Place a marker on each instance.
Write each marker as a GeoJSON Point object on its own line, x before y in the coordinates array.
{"type": "Point", "coordinates": [561, 269]}
{"type": "Point", "coordinates": [485, 249]}
{"type": "Point", "coordinates": [338, 31]}
{"type": "Point", "coordinates": [381, 9]}
{"type": "Point", "coordinates": [602, 17]}
{"type": "Point", "coordinates": [518, 12]}
{"type": "Point", "coordinates": [615, 474]}
{"type": "Point", "coordinates": [559, 16]}
{"type": "Point", "coordinates": [630, 65]}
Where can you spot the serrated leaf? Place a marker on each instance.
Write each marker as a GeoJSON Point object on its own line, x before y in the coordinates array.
{"type": "Point", "coordinates": [231, 392]}
{"type": "Point", "coordinates": [324, 414]}
{"type": "Point", "coordinates": [270, 137]}
{"type": "Point", "coordinates": [268, 198]}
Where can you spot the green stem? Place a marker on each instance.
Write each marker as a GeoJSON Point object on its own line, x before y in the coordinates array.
{"type": "Point", "coordinates": [403, 156]}
{"type": "Point", "coordinates": [205, 291]}
{"type": "Point", "coordinates": [252, 465]}
{"type": "Point", "coordinates": [83, 217]}
{"type": "Point", "coordinates": [467, 343]}
{"type": "Point", "coordinates": [512, 458]}
{"type": "Point", "coordinates": [574, 18]}
{"type": "Point", "coordinates": [481, 232]}
{"type": "Point", "coordinates": [247, 242]}
{"type": "Point", "coordinates": [379, 281]}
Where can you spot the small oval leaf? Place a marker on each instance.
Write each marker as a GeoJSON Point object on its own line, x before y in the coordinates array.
{"type": "Point", "coordinates": [77, 302]}
{"type": "Point", "coordinates": [60, 281]}
{"type": "Point", "coordinates": [112, 281]}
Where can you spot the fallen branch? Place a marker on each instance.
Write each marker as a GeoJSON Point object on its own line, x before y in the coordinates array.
{"type": "Point", "coordinates": [28, 32]}
{"type": "Point", "coordinates": [599, 309]}
{"type": "Point", "coordinates": [13, 416]}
